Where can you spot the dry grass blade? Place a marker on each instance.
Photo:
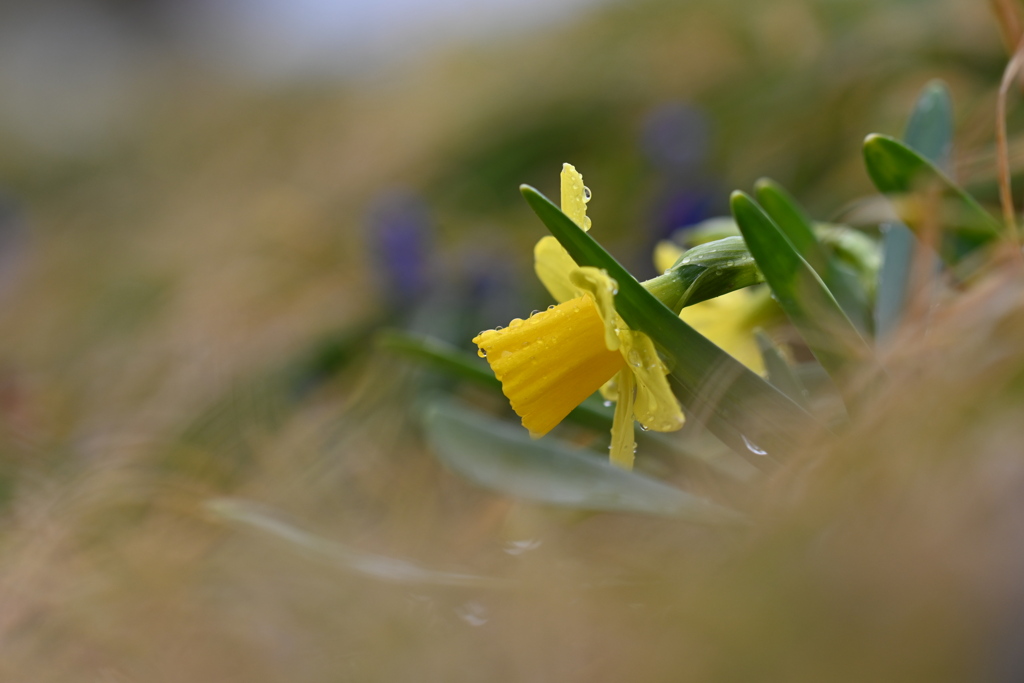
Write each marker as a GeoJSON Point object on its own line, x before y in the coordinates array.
{"type": "Point", "coordinates": [1002, 149]}
{"type": "Point", "coordinates": [1008, 19]}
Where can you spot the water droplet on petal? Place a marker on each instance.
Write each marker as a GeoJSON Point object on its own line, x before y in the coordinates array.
{"type": "Point", "coordinates": [634, 358]}
{"type": "Point", "coordinates": [516, 322]}
{"type": "Point", "coordinates": [480, 352]}
{"type": "Point", "coordinates": [586, 194]}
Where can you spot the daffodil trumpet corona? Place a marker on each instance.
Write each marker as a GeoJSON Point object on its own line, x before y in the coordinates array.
{"type": "Point", "coordinates": [553, 360]}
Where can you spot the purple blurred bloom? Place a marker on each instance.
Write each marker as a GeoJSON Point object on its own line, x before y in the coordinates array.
{"type": "Point", "coordinates": [675, 137]}
{"type": "Point", "coordinates": [401, 238]}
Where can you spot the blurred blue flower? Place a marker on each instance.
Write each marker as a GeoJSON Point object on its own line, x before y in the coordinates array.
{"type": "Point", "coordinates": [675, 137]}
{"type": "Point", "coordinates": [401, 239]}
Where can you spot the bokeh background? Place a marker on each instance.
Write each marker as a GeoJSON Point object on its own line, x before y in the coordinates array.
{"type": "Point", "coordinates": [209, 208]}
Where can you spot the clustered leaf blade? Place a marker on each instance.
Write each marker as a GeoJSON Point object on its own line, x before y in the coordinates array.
{"type": "Point", "coordinates": [929, 132]}
{"type": "Point", "coordinates": [912, 182]}
{"type": "Point", "coordinates": [898, 245]}
{"type": "Point", "coordinates": [790, 218]}
{"type": "Point", "coordinates": [930, 127]}
{"type": "Point", "coordinates": [811, 308]}
{"type": "Point", "coordinates": [793, 222]}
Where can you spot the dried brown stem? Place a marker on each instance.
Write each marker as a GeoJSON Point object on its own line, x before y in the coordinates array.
{"type": "Point", "coordinates": [1002, 148]}
{"type": "Point", "coordinates": [1009, 21]}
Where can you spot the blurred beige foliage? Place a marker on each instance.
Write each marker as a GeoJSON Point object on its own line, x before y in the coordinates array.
{"type": "Point", "coordinates": [166, 280]}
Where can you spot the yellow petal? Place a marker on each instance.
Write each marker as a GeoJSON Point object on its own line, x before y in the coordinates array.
{"type": "Point", "coordinates": [656, 407]}
{"type": "Point", "coordinates": [666, 253]}
{"type": "Point", "coordinates": [610, 390]}
{"type": "Point", "coordinates": [602, 288]}
{"type": "Point", "coordinates": [575, 196]}
{"type": "Point", "coordinates": [725, 321]}
{"type": "Point", "coordinates": [623, 446]}
{"type": "Point", "coordinates": [553, 265]}
{"type": "Point", "coordinates": [549, 363]}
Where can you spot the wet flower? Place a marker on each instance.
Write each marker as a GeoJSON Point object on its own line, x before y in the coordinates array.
{"type": "Point", "coordinates": [553, 360]}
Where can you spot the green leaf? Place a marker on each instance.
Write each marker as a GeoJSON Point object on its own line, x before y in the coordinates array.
{"type": "Point", "coordinates": [907, 176]}
{"type": "Point", "coordinates": [740, 408]}
{"type": "Point", "coordinates": [502, 457]}
{"type": "Point", "coordinates": [790, 218]}
{"type": "Point", "coordinates": [930, 128]}
{"type": "Point", "coordinates": [851, 248]}
{"type": "Point", "coordinates": [929, 132]}
{"type": "Point", "coordinates": [898, 246]}
{"type": "Point", "coordinates": [440, 355]}
{"type": "Point", "coordinates": [780, 373]}
{"type": "Point", "coordinates": [811, 308]}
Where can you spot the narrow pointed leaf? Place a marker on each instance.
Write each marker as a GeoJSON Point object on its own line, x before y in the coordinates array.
{"type": "Point", "coordinates": [502, 457]}
{"type": "Point", "coordinates": [910, 179]}
{"type": "Point", "coordinates": [846, 285]}
{"type": "Point", "coordinates": [930, 133]}
{"type": "Point", "coordinates": [457, 363]}
{"type": "Point", "coordinates": [810, 306]}
{"type": "Point", "coordinates": [930, 128]}
{"type": "Point", "coordinates": [792, 220]}
{"type": "Point", "coordinates": [738, 406]}
{"type": "Point", "coordinates": [794, 223]}
{"type": "Point", "coordinates": [440, 355]}
{"type": "Point", "coordinates": [894, 277]}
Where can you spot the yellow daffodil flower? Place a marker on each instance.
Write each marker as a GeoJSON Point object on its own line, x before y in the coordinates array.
{"type": "Point", "coordinates": [553, 360]}
{"type": "Point", "coordinates": [728, 320]}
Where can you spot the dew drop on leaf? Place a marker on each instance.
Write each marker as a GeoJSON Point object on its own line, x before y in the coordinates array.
{"type": "Point", "coordinates": [753, 448]}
